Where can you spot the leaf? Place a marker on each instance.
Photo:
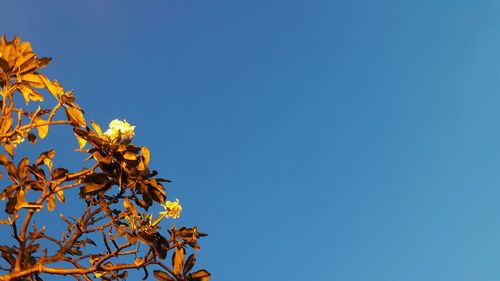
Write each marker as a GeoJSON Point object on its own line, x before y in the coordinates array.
{"type": "Point", "coordinates": [10, 207]}
{"type": "Point", "coordinates": [51, 202]}
{"type": "Point", "coordinates": [10, 53]}
{"type": "Point", "coordinates": [33, 80]}
{"type": "Point", "coordinates": [47, 154]}
{"type": "Point", "coordinates": [6, 124]}
{"type": "Point", "coordinates": [157, 193]}
{"type": "Point", "coordinates": [89, 241]}
{"type": "Point", "coordinates": [21, 167]}
{"type": "Point", "coordinates": [129, 206]}
{"type": "Point", "coordinates": [200, 275]}
{"type": "Point", "coordinates": [160, 245]}
{"type": "Point", "coordinates": [94, 184]}
{"type": "Point", "coordinates": [43, 62]}
{"type": "Point", "coordinates": [9, 149]}
{"type": "Point", "coordinates": [59, 173]}
{"type": "Point", "coordinates": [29, 94]}
{"type": "Point", "coordinates": [4, 65]}
{"type": "Point", "coordinates": [60, 196]}
{"type": "Point", "coordinates": [43, 130]}
{"type": "Point", "coordinates": [76, 116]}
{"type": "Point", "coordinates": [81, 142]}
{"type": "Point", "coordinates": [32, 138]}
{"type": "Point", "coordinates": [25, 47]}
{"type": "Point", "coordinates": [145, 152]}
{"type": "Point", "coordinates": [178, 260]}
{"type": "Point", "coordinates": [97, 128]}
{"type": "Point", "coordinates": [189, 264]}
{"type": "Point", "coordinates": [27, 63]}
{"type": "Point", "coordinates": [3, 159]}
{"type": "Point", "coordinates": [162, 276]}
{"type": "Point", "coordinates": [54, 88]}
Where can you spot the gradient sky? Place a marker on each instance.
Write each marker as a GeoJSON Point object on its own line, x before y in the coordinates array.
{"type": "Point", "coordinates": [313, 140]}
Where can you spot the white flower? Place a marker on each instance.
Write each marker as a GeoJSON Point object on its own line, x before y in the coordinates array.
{"type": "Point", "coordinates": [119, 130]}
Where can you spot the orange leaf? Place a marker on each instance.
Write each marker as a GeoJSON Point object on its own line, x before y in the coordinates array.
{"type": "Point", "coordinates": [43, 130]}
{"type": "Point", "coordinates": [51, 202]}
{"type": "Point", "coordinates": [75, 116]}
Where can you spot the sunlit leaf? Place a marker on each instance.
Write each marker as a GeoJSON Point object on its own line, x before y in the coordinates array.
{"type": "Point", "coordinates": [54, 88]}
{"type": "Point", "coordinates": [33, 80]}
{"type": "Point", "coordinates": [200, 275]}
{"type": "Point", "coordinates": [43, 130]}
{"type": "Point", "coordinates": [97, 128]}
{"type": "Point", "coordinates": [6, 124]}
{"type": "Point", "coordinates": [162, 276]}
{"type": "Point", "coordinates": [81, 142]}
{"type": "Point", "coordinates": [60, 196]}
{"type": "Point", "coordinates": [129, 206]}
{"type": "Point", "coordinates": [29, 94]}
{"type": "Point", "coordinates": [146, 154]}
{"type": "Point", "coordinates": [51, 202]}
{"type": "Point", "coordinates": [9, 149]}
{"type": "Point", "coordinates": [178, 260]}
{"type": "Point", "coordinates": [75, 116]}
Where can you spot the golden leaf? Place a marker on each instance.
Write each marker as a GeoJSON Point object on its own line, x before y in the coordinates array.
{"type": "Point", "coordinates": [27, 63]}
{"type": "Point", "coordinates": [145, 152]}
{"type": "Point", "coordinates": [81, 142]}
{"type": "Point", "coordinates": [129, 206]}
{"type": "Point", "coordinates": [54, 88]}
{"type": "Point", "coordinates": [97, 128]}
{"type": "Point", "coordinates": [9, 149]}
{"type": "Point", "coordinates": [10, 54]}
{"type": "Point", "coordinates": [75, 116]}
{"type": "Point", "coordinates": [60, 196]}
{"type": "Point", "coordinates": [6, 124]}
{"type": "Point", "coordinates": [51, 202]}
{"type": "Point", "coordinates": [33, 80]}
{"type": "Point", "coordinates": [200, 275]}
{"type": "Point", "coordinates": [43, 130]}
{"type": "Point", "coordinates": [178, 260]}
{"type": "Point", "coordinates": [25, 47]}
{"type": "Point", "coordinates": [29, 94]}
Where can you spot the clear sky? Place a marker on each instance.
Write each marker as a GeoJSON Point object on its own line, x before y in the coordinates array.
{"type": "Point", "coordinates": [313, 140]}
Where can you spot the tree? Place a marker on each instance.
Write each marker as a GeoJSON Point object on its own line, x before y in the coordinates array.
{"type": "Point", "coordinates": [114, 232]}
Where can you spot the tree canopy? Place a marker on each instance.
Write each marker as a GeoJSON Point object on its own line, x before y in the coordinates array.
{"type": "Point", "coordinates": [114, 231]}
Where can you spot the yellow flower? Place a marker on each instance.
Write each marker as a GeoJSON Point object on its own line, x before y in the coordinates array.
{"type": "Point", "coordinates": [172, 209]}
{"type": "Point", "coordinates": [48, 162]}
{"type": "Point", "coordinates": [119, 130]}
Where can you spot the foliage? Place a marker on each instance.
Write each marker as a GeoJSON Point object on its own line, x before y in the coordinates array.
{"type": "Point", "coordinates": [116, 191]}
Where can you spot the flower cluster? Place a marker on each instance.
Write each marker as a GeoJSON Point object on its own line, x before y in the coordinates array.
{"type": "Point", "coordinates": [17, 140]}
{"type": "Point", "coordinates": [119, 130]}
{"type": "Point", "coordinates": [172, 209]}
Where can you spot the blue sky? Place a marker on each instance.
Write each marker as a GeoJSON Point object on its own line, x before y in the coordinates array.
{"type": "Point", "coordinates": [313, 140]}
